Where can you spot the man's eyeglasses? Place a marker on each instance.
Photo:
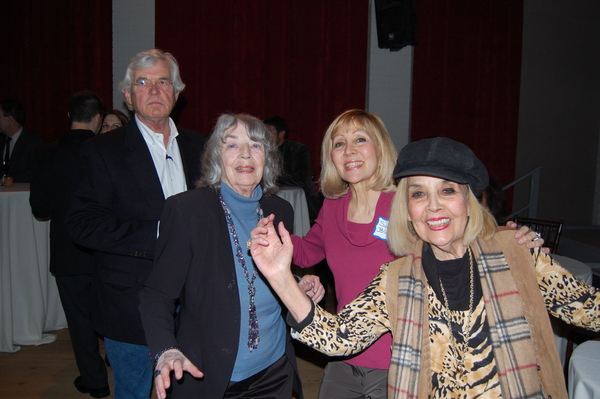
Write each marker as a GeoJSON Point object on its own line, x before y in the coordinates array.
{"type": "Point", "coordinates": [146, 84]}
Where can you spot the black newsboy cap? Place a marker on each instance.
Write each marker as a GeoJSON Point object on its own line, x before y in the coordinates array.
{"type": "Point", "coordinates": [444, 158]}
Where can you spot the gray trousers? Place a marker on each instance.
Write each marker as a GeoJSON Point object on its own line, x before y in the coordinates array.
{"type": "Point", "coordinates": [345, 381]}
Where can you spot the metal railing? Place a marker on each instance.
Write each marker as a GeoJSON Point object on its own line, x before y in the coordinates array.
{"type": "Point", "coordinates": [534, 190]}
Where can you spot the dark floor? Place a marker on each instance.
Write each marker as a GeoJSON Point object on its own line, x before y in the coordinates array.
{"type": "Point", "coordinates": [48, 371]}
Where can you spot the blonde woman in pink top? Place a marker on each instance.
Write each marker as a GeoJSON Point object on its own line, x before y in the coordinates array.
{"type": "Point", "coordinates": [357, 161]}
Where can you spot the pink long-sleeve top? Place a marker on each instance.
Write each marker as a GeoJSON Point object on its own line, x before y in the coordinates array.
{"type": "Point", "coordinates": [354, 253]}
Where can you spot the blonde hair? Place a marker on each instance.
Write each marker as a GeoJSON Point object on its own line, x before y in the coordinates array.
{"type": "Point", "coordinates": [332, 185]}
{"type": "Point", "coordinates": [402, 236]}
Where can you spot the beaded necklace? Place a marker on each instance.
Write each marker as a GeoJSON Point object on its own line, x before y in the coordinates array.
{"type": "Point", "coordinates": [253, 336]}
{"type": "Point", "coordinates": [467, 331]}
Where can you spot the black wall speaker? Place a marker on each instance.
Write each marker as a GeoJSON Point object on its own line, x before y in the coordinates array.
{"type": "Point", "coordinates": [396, 23]}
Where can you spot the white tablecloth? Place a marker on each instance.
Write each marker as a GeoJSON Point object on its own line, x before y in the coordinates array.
{"type": "Point", "coordinates": [560, 328]}
{"type": "Point", "coordinates": [296, 197]}
{"type": "Point", "coordinates": [584, 371]}
{"type": "Point", "coordinates": [29, 301]}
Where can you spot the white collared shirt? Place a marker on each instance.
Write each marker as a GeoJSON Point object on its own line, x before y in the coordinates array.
{"type": "Point", "coordinates": [167, 161]}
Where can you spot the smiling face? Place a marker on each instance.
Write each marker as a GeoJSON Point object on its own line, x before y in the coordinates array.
{"type": "Point", "coordinates": [151, 102]}
{"type": "Point", "coordinates": [354, 155]}
{"type": "Point", "coordinates": [243, 161]}
{"type": "Point", "coordinates": [439, 214]}
{"type": "Point", "coordinates": [111, 122]}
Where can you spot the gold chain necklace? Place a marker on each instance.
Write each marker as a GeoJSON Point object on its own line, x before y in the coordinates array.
{"type": "Point", "coordinates": [466, 333]}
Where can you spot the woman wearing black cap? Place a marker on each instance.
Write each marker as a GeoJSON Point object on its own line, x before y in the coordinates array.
{"type": "Point", "coordinates": [466, 305]}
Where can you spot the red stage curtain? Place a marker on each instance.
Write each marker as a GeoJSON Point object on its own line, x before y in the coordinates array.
{"type": "Point", "coordinates": [466, 77]}
{"type": "Point", "coordinates": [304, 60]}
{"type": "Point", "coordinates": [52, 49]}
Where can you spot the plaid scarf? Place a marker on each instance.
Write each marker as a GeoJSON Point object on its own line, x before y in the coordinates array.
{"type": "Point", "coordinates": [510, 317]}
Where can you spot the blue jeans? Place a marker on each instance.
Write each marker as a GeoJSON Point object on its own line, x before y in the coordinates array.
{"type": "Point", "coordinates": [132, 369]}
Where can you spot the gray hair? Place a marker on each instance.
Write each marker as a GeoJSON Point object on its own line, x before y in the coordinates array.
{"type": "Point", "coordinates": [212, 163]}
{"type": "Point", "coordinates": [147, 59]}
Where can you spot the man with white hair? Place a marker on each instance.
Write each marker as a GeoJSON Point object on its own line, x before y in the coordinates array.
{"type": "Point", "coordinates": [127, 175]}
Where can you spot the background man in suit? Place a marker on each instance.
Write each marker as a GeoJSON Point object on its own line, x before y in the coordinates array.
{"type": "Point", "coordinates": [54, 175]}
{"type": "Point", "coordinates": [297, 172]}
{"type": "Point", "coordinates": [16, 141]}
{"type": "Point", "coordinates": [296, 164]}
{"type": "Point", "coordinates": [127, 174]}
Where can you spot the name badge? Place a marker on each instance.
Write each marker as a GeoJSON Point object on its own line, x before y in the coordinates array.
{"type": "Point", "coordinates": [381, 228]}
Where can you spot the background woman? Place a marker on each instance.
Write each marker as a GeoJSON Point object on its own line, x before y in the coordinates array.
{"type": "Point", "coordinates": [228, 332]}
{"type": "Point", "coordinates": [357, 160]}
{"type": "Point", "coordinates": [112, 120]}
{"type": "Point", "coordinates": [466, 305]}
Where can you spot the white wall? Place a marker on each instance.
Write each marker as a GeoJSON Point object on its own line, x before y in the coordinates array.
{"type": "Point", "coordinates": [389, 84]}
{"type": "Point", "coordinates": [133, 31]}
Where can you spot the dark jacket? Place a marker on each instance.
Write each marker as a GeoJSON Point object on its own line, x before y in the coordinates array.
{"type": "Point", "coordinates": [197, 270]}
{"type": "Point", "coordinates": [21, 155]}
{"type": "Point", "coordinates": [297, 172]}
{"type": "Point", "coordinates": [53, 179]}
{"type": "Point", "coordinates": [115, 212]}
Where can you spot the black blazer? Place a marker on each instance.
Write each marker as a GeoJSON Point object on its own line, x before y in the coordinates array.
{"type": "Point", "coordinates": [197, 270]}
{"type": "Point", "coordinates": [21, 155]}
{"type": "Point", "coordinates": [115, 211]}
{"type": "Point", "coordinates": [53, 180]}
{"type": "Point", "coordinates": [297, 172]}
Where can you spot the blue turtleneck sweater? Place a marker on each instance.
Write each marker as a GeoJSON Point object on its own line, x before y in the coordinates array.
{"type": "Point", "coordinates": [271, 326]}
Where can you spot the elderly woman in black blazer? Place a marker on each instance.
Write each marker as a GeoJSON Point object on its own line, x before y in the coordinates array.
{"type": "Point", "coordinates": [205, 308]}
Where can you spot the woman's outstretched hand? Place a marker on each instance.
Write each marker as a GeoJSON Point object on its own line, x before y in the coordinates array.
{"type": "Point", "coordinates": [272, 255]}
{"type": "Point", "coordinates": [172, 360]}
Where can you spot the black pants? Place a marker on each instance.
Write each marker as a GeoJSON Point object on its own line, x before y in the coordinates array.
{"type": "Point", "coordinates": [75, 295]}
{"type": "Point", "coordinates": [274, 382]}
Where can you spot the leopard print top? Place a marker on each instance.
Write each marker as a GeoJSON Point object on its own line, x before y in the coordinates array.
{"type": "Point", "coordinates": [365, 319]}
{"type": "Point", "coordinates": [457, 374]}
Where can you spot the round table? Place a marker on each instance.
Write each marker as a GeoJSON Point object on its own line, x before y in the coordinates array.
{"type": "Point", "coordinates": [575, 267]}
{"type": "Point", "coordinates": [29, 300]}
{"type": "Point", "coordinates": [584, 371]}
